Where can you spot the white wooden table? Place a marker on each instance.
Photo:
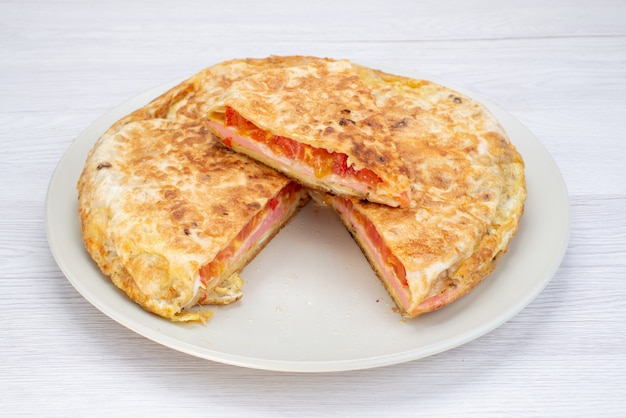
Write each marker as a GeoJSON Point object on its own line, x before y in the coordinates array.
{"type": "Point", "coordinates": [559, 67]}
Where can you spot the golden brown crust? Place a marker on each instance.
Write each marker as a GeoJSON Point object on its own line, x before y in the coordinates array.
{"type": "Point", "coordinates": [208, 85]}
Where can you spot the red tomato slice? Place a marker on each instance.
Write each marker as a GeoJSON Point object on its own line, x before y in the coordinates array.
{"type": "Point", "coordinates": [368, 176]}
{"type": "Point", "coordinates": [230, 117]}
{"type": "Point", "coordinates": [285, 146]}
{"type": "Point", "coordinates": [340, 164]}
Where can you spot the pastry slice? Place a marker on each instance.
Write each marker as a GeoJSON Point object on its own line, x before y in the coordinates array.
{"type": "Point", "coordinates": [171, 216]}
{"type": "Point", "coordinates": [467, 197]}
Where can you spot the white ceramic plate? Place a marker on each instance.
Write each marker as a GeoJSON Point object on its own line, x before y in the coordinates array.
{"type": "Point", "coordinates": [311, 302]}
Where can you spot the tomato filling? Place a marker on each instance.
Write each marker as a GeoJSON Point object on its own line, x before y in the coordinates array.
{"type": "Point", "coordinates": [253, 230]}
{"type": "Point", "coordinates": [321, 161]}
{"type": "Point", "coordinates": [377, 241]}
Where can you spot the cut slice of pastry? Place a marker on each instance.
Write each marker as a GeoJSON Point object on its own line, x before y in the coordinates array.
{"type": "Point", "coordinates": [172, 216]}
{"type": "Point", "coordinates": [468, 193]}
{"type": "Point", "coordinates": [316, 123]}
